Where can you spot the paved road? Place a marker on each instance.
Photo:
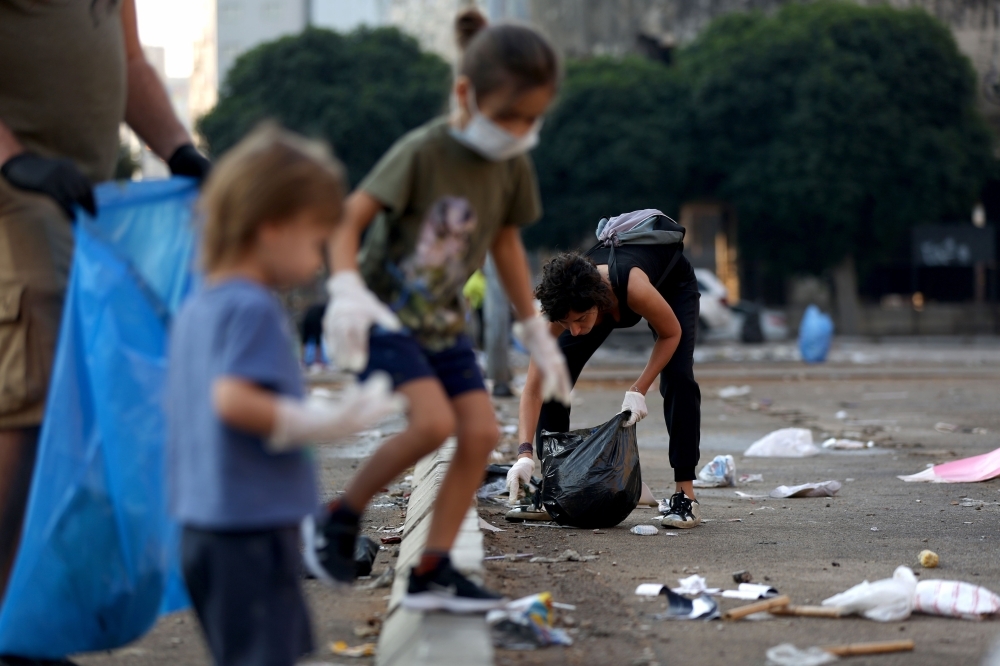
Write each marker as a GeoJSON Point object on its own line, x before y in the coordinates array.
{"type": "Point", "coordinates": [895, 399]}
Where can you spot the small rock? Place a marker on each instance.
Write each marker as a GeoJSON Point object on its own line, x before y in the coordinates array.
{"type": "Point", "coordinates": [742, 577]}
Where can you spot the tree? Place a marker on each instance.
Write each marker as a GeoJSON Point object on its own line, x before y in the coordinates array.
{"type": "Point", "coordinates": [613, 143]}
{"type": "Point", "coordinates": [833, 129]}
{"type": "Point", "coordinates": [360, 92]}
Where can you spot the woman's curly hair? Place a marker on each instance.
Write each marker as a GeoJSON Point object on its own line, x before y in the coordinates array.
{"type": "Point", "coordinates": [570, 281]}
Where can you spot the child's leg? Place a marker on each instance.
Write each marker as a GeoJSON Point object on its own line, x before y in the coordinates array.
{"type": "Point", "coordinates": [431, 421]}
{"type": "Point", "coordinates": [478, 434]}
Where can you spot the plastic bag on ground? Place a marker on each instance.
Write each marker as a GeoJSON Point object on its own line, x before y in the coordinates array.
{"type": "Point", "coordinates": [526, 624]}
{"type": "Point", "coordinates": [784, 443]}
{"type": "Point", "coordinates": [720, 472]}
{"type": "Point", "coordinates": [787, 654]}
{"type": "Point", "coordinates": [815, 335]}
{"type": "Point", "coordinates": [887, 600]}
{"type": "Point", "coordinates": [97, 561]}
{"type": "Point", "coordinates": [591, 477]}
{"type": "Point", "coordinates": [846, 444]}
{"type": "Point", "coordinates": [954, 599]}
{"type": "Point", "coordinates": [824, 489]}
{"type": "Point", "coordinates": [966, 470]}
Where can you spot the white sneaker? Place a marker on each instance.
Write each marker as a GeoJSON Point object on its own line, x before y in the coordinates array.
{"type": "Point", "coordinates": [683, 513]}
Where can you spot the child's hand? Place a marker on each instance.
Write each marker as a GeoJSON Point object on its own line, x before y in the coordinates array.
{"type": "Point", "coordinates": [349, 319]}
{"type": "Point", "coordinates": [545, 353]}
{"type": "Point", "coordinates": [299, 423]}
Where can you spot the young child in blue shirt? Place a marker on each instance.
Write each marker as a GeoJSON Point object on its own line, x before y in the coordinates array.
{"type": "Point", "coordinates": [240, 482]}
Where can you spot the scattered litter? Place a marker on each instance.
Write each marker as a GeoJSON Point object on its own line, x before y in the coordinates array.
{"type": "Point", "coordinates": [928, 559]}
{"type": "Point", "coordinates": [846, 444]}
{"type": "Point", "coordinates": [971, 503]}
{"type": "Point", "coordinates": [815, 335]}
{"type": "Point", "coordinates": [980, 431]}
{"type": "Point", "coordinates": [682, 608]}
{"type": "Point", "coordinates": [526, 624]}
{"type": "Point", "coordinates": [510, 430]}
{"type": "Point", "coordinates": [511, 557]}
{"type": "Point", "coordinates": [721, 471]}
{"type": "Point", "coordinates": [787, 654]}
{"type": "Point", "coordinates": [492, 489]}
{"type": "Point", "coordinates": [483, 525]}
{"type": "Point", "coordinates": [670, 534]}
{"type": "Point", "coordinates": [365, 551]}
{"type": "Point", "coordinates": [945, 427]}
{"type": "Point", "coordinates": [874, 529]}
{"type": "Point", "coordinates": [887, 600]}
{"type": "Point", "coordinates": [751, 592]}
{"type": "Point", "coordinates": [591, 476]}
{"type": "Point", "coordinates": [730, 392]}
{"type": "Point", "coordinates": [644, 530]}
{"type": "Point", "coordinates": [759, 607]}
{"type": "Point", "coordinates": [784, 443]}
{"type": "Point", "coordinates": [743, 495]}
{"type": "Point", "coordinates": [824, 489]}
{"type": "Point", "coordinates": [733, 520]}
{"type": "Point", "coordinates": [566, 556]}
{"type": "Point", "coordinates": [384, 580]}
{"type": "Point", "coordinates": [954, 599]}
{"type": "Point", "coordinates": [841, 415]}
{"type": "Point", "coordinates": [966, 470]}
{"type": "Point", "coordinates": [342, 649]}
{"type": "Point", "coordinates": [742, 577]}
{"type": "Point", "coordinates": [369, 630]}
{"type": "Point", "coordinates": [391, 539]}
{"type": "Point", "coordinates": [751, 478]}
{"type": "Point", "coordinates": [693, 585]}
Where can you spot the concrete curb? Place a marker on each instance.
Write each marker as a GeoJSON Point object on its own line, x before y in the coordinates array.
{"type": "Point", "coordinates": [434, 639]}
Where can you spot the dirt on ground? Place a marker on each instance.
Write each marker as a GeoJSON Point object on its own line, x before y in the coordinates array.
{"type": "Point", "coordinates": [808, 548]}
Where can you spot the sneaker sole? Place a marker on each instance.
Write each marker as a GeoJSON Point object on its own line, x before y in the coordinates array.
{"type": "Point", "coordinates": [680, 525]}
{"type": "Point", "coordinates": [518, 516]}
{"type": "Point", "coordinates": [430, 601]}
{"type": "Point", "coordinates": [308, 530]}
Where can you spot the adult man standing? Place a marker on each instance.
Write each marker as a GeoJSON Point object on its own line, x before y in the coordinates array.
{"type": "Point", "coordinates": [70, 72]}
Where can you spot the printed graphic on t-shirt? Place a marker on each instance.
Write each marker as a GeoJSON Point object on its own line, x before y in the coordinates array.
{"type": "Point", "coordinates": [430, 280]}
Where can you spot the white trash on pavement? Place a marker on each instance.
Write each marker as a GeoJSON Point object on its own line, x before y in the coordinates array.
{"type": "Point", "coordinates": [720, 472]}
{"type": "Point", "coordinates": [730, 392]}
{"type": "Point", "coordinates": [887, 600]}
{"type": "Point", "coordinates": [846, 444]}
{"type": "Point", "coordinates": [787, 654]}
{"type": "Point", "coordinates": [824, 489]}
{"type": "Point", "coordinates": [784, 443]}
{"type": "Point", "coordinates": [952, 598]}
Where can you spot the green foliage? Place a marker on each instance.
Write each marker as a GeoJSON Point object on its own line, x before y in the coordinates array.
{"type": "Point", "coordinates": [126, 164]}
{"type": "Point", "coordinates": [610, 146]}
{"type": "Point", "coordinates": [360, 92]}
{"type": "Point", "coordinates": [834, 129]}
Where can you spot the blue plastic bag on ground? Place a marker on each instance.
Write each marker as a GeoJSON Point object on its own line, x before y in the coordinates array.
{"type": "Point", "coordinates": [98, 557]}
{"type": "Point", "coordinates": [815, 335]}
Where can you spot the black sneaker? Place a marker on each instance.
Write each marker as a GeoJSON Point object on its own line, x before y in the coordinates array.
{"type": "Point", "coordinates": [329, 549]}
{"type": "Point", "coordinates": [445, 589]}
{"type": "Point", "coordinates": [683, 513]}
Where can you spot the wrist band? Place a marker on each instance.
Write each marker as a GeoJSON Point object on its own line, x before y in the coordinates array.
{"type": "Point", "coordinates": [525, 447]}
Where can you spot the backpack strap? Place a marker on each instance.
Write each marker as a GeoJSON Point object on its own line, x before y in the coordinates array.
{"type": "Point", "coordinates": [670, 266]}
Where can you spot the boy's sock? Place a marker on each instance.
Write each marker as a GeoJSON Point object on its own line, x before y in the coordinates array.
{"type": "Point", "coordinates": [429, 561]}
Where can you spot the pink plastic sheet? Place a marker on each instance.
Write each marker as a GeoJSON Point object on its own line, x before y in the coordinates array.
{"type": "Point", "coordinates": [966, 470]}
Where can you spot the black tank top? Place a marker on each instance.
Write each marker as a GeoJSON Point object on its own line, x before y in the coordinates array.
{"type": "Point", "coordinates": [651, 260]}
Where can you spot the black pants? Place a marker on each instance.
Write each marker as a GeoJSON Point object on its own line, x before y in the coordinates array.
{"type": "Point", "coordinates": [681, 395]}
{"type": "Point", "coordinates": [244, 587]}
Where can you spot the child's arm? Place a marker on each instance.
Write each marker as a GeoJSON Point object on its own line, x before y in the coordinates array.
{"type": "Point", "coordinates": [532, 328]}
{"type": "Point", "coordinates": [287, 423]}
{"type": "Point", "coordinates": [353, 309]}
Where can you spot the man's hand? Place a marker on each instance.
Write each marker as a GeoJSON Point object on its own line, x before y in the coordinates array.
{"type": "Point", "coordinates": [187, 161]}
{"type": "Point", "coordinates": [53, 177]}
{"type": "Point", "coordinates": [518, 475]}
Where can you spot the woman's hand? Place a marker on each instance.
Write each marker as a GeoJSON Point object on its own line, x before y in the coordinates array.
{"type": "Point", "coordinates": [635, 403]}
{"type": "Point", "coordinates": [519, 474]}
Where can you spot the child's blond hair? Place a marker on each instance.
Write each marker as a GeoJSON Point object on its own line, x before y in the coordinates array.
{"type": "Point", "coordinates": [268, 177]}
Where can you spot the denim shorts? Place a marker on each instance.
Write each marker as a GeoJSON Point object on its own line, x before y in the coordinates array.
{"type": "Point", "coordinates": [402, 357]}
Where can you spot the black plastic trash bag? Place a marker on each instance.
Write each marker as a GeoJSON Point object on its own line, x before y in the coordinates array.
{"type": "Point", "coordinates": [365, 551]}
{"type": "Point", "coordinates": [591, 477]}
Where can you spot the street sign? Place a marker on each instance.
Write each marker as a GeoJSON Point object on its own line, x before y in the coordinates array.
{"type": "Point", "coordinates": [953, 245]}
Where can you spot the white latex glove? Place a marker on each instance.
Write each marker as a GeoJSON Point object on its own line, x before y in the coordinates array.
{"type": "Point", "coordinates": [302, 422]}
{"type": "Point", "coordinates": [352, 312]}
{"type": "Point", "coordinates": [534, 334]}
{"type": "Point", "coordinates": [518, 474]}
{"type": "Point", "coordinates": [635, 403]}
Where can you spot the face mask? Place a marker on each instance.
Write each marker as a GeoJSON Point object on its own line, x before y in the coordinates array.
{"type": "Point", "coordinates": [492, 141]}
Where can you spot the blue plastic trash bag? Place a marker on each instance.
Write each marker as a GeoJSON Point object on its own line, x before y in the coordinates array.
{"type": "Point", "coordinates": [98, 557]}
{"type": "Point", "coordinates": [815, 335]}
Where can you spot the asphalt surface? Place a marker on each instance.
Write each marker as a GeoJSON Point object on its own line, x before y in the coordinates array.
{"type": "Point", "coordinates": [808, 548]}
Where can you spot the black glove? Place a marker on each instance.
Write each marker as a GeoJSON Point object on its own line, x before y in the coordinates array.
{"type": "Point", "coordinates": [187, 161]}
{"type": "Point", "coordinates": [54, 177]}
